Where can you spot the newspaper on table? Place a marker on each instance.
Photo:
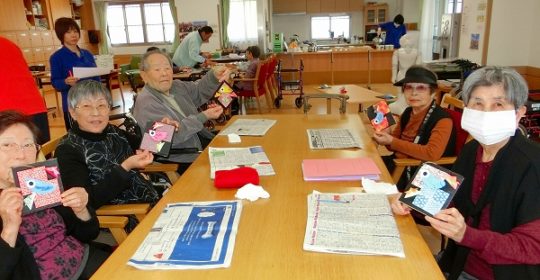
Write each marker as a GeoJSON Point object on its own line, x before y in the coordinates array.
{"type": "Point", "coordinates": [249, 127]}
{"type": "Point", "coordinates": [230, 158]}
{"type": "Point", "coordinates": [351, 223]}
{"type": "Point", "coordinates": [332, 138]}
{"type": "Point", "coordinates": [191, 235]}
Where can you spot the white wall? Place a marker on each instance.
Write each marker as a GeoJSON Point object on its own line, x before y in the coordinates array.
{"type": "Point", "coordinates": [190, 10]}
{"type": "Point", "coordinates": [514, 33]}
{"type": "Point", "coordinates": [534, 55]}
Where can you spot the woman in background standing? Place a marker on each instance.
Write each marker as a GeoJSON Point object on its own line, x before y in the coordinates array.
{"type": "Point", "coordinates": [69, 56]}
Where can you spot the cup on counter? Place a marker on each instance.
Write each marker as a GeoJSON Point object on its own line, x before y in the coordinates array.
{"type": "Point", "coordinates": [388, 47]}
{"type": "Point", "coordinates": [380, 47]}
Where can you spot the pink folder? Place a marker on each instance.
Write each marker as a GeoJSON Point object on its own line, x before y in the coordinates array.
{"type": "Point", "coordinates": [345, 169]}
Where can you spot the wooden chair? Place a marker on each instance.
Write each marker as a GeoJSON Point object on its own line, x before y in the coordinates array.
{"type": "Point", "coordinates": [271, 81]}
{"type": "Point", "coordinates": [259, 86]}
{"type": "Point", "coordinates": [115, 83]}
{"type": "Point", "coordinates": [451, 104]}
{"type": "Point", "coordinates": [114, 217]}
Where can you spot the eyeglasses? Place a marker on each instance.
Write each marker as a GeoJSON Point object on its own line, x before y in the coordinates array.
{"type": "Point", "coordinates": [13, 147]}
{"type": "Point", "coordinates": [88, 109]}
{"type": "Point", "coordinates": [417, 88]}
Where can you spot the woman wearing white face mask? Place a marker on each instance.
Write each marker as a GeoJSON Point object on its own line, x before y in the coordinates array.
{"type": "Point", "coordinates": [494, 226]}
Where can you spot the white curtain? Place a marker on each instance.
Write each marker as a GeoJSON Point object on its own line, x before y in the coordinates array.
{"type": "Point", "coordinates": [429, 12]}
{"type": "Point", "coordinates": [242, 28]}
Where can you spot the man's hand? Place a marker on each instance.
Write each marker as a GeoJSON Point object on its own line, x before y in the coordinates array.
{"type": "Point", "coordinates": [213, 112]}
{"type": "Point", "coordinates": [222, 73]}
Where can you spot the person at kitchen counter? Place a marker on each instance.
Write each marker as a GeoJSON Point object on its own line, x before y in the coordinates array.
{"type": "Point", "coordinates": [394, 30]}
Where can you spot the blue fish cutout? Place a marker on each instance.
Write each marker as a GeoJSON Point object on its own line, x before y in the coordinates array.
{"type": "Point", "coordinates": [40, 187]}
{"type": "Point", "coordinates": [379, 117]}
{"type": "Point", "coordinates": [431, 181]}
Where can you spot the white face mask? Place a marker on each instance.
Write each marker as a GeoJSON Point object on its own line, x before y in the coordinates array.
{"type": "Point", "coordinates": [489, 127]}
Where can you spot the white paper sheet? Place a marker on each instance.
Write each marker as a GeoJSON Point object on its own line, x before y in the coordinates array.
{"type": "Point", "coordinates": [339, 138]}
{"type": "Point", "coordinates": [230, 158]}
{"type": "Point", "coordinates": [85, 72]}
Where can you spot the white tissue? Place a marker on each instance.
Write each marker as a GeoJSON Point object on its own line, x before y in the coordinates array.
{"type": "Point", "coordinates": [234, 138]}
{"type": "Point", "coordinates": [371, 186]}
{"type": "Point", "coordinates": [251, 192]}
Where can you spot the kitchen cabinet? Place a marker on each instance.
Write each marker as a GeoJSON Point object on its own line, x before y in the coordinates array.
{"type": "Point", "coordinates": [341, 6]}
{"type": "Point", "coordinates": [354, 66]}
{"type": "Point", "coordinates": [375, 14]}
{"type": "Point", "coordinates": [37, 13]}
{"type": "Point", "coordinates": [59, 8]}
{"type": "Point", "coordinates": [356, 5]}
{"type": "Point", "coordinates": [12, 15]}
{"type": "Point", "coordinates": [288, 6]}
{"type": "Point", "coordinates": [313, 6]}
{"type": "Point", "coordinates": [333, 6]}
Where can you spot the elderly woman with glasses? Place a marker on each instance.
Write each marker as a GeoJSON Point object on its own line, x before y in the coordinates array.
{"type": "Point", "coordinates": [99, 156]}
{"type": "Point", "coordinates": [425, 130]}
{"type": "Point", "coordinates": [494, 224]}
{"type": "Point", "coordinates": [50, 243]}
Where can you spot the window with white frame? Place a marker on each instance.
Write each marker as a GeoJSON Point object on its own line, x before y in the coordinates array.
{"type": "Point", "coordinates": [321, 27]}
{"type": "Point", "coordinates": [242, 27]}
{"type": "Point", "coordinates": [454, 6]}
{"type": "Point", "coordinates": [140, 23]}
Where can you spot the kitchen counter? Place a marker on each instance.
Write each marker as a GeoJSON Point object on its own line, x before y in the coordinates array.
{"type": "Point", "coordinates": [352, 65]}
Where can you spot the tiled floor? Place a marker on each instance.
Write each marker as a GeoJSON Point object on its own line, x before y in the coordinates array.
{"type": "Point", "coordinates": [287, 107]}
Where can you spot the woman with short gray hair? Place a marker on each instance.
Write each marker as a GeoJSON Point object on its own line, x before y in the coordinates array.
{"type": "Point", "coordinates": [98, 156]}
{"type": "Point", "coordinates": [494, 224]}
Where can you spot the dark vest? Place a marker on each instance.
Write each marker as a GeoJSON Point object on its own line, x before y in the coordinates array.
{"type": "Point", "coordinates": [437, 115]}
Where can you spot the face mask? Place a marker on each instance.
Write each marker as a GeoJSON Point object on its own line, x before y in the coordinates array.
{"type": "Point", "coordinates": [489, 127]}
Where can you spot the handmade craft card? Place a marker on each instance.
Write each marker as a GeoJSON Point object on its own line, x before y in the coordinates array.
{"type": "Point", "coordinates": [40, 184]}
{"type": "Point", "coordinates": [431, 189]}
{"type": "Point", "coordinates": [225, 94]}
{"type": "Point", "coordinates": [380, 116]}
{"type": "Point", "coordinates": [158, 138]}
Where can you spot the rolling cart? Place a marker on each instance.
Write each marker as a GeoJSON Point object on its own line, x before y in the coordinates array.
{"type": "Point", "coordinates": [295, 86]}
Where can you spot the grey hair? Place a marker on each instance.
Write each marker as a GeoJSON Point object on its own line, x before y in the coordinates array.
{"type": "Point", "coordinates": [85, 89]}
{"type": "Point", "coordinates": [144, 62]}
{"type": "Point", "coordinates": [513, 84]}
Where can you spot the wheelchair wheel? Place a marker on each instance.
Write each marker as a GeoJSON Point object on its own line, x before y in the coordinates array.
{"type": "Point", "coordinates": [299, 101]}
{"type": "Point", "coordinates": [277, 103]}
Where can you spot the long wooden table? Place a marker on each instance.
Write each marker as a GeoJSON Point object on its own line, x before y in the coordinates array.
{"type": "Point", "coordinates": [358, 96]}
{"type": "Point", "coordinates": [271, 231]}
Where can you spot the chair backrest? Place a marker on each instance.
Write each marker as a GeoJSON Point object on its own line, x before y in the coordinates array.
{"type": "Point", "coordinates": [47, 149]}
{"type": "Point", "coordinates": [454, 107]}
{"type": "Point", "coordinates": [262, 68]}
